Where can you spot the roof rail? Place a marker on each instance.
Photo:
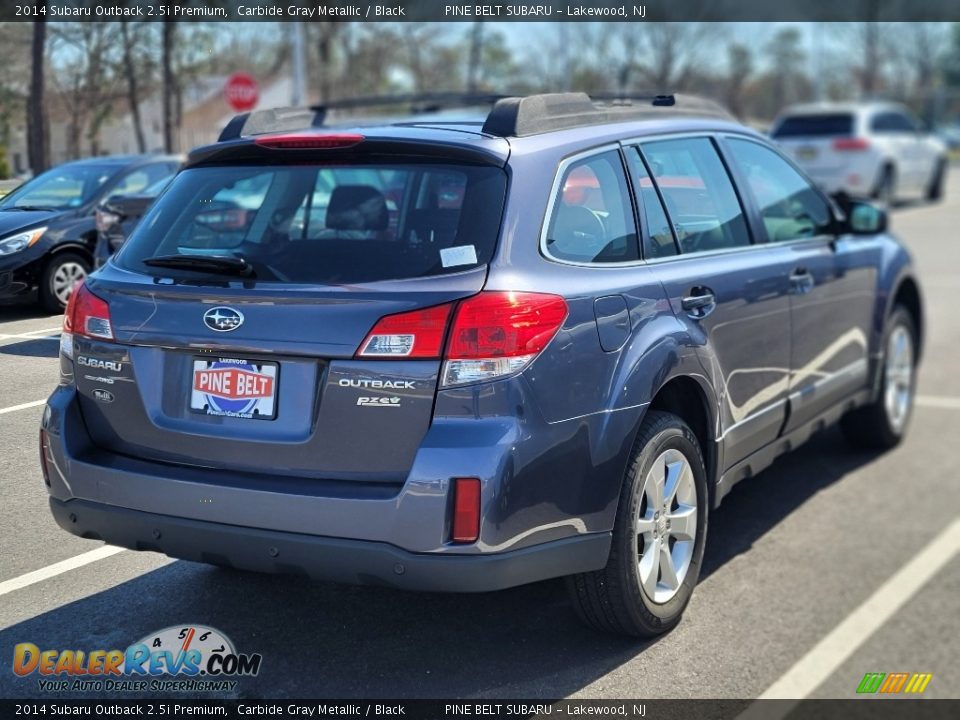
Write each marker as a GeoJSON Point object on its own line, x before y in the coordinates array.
{"type": "Point", "coordinates": [291, 118]}
{"type": "Point", "coordinates": [509, 116]}
{"type": "Point", "coordinates": [535, 114]}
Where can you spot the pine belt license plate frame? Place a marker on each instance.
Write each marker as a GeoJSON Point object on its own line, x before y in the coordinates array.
{"type": "Point", "coordinates": [248, 374]}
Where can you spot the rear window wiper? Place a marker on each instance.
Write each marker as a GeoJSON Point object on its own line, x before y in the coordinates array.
{"type": "Point", "coordinates": [219, 264]}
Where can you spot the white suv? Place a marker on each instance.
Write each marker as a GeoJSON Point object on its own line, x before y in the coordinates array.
{"type": "Point", "coordinates": [874, 150]}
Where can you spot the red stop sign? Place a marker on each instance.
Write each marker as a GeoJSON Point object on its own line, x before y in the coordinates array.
{"type": "Point", "coordinates": [242, 92]}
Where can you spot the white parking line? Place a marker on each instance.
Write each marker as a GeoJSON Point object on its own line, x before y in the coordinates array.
{"type": "Point", "coordinates": [18, 583]}
{"type": "Point", "coordinates": [31, 334]}
{"type": "Point", "coordinates": [833, 650]}
{"type": "Point", "coordinates": [948, 403]}
{"type": "Point", "coordinates": [24, 406]}
{"type": "Point", "coordinates": [29, 337]}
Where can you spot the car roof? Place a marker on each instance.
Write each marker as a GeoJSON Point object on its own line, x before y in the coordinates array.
{"type": "Point", "coordinates": [824, 108]}
{"type": "Point", "coordinates": [123, 160]}
{"type": "Point", "coordinates": [566, 121]}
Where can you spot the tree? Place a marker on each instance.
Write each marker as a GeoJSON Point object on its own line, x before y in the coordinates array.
{"type": "Point", "coordinates": [741, 67]}
{"type": "Point", "coordinates": [674, 51]}
{"type": "Point", "coordinates": [37, 137]}
{"type": "Point", "coordinates": [130, 69]}
{"type": "Point", "coordinates": [786, 56]}
{"type": "Point", "coordinates": [926, 46]}
{"type": "Point", "coordinates": [169, 91]}
{"type": "Point", "coordinates": [951, 60]}
{"type": "Point", "coordinates": [475, 63]}
{"type": "Point", "coordinates": [84, 79]}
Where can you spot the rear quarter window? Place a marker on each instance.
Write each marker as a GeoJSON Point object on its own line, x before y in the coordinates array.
{"type": "Point", "coordinates": [827, 125]}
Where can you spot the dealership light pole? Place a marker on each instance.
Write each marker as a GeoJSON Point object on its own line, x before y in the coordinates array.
{"type": "Point", "coordinates": [298, 91]}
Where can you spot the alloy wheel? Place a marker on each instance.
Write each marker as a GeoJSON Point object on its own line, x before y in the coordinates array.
{"type": "Point", "coordinates": [666, 526]}
{"type": "Point", "coordinates": [899, 377]}
{"type": "Point", "coordinates": [65, 279]}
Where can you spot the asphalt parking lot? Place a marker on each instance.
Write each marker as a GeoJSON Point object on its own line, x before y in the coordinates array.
{"type": "Point", "coordinates": [800, 593]}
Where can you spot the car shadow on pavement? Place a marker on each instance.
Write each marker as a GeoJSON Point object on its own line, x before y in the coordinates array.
{"type": "Point", "coordinates": [758, 504]}
{"type": "Point", "coordinates": [11, 311]}
{"type": "Point", "coordinates": [45, 348]}
{"type": "Point", "coordinates": [324, 640]}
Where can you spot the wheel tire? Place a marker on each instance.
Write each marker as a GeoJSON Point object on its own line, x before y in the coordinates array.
{"type": "Point", "coordinates": [62, 266]}
{"type": "Point", "coordinates": [614, 599]}
{"type": "Point", "coordinates": [886, 190]}
{"type": "Point", "coordinates": [882, 424]}
{"type": "Point", "coordinates": [935, 189]}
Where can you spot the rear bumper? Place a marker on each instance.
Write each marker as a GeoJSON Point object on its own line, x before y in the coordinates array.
{"type": "Point", "coordinates": [324, 558]}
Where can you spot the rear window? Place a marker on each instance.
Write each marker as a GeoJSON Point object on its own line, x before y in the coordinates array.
{"type": "Point", "coordinates": [309, 224]}
{"type": "Point", "coordinates": [815, 125]}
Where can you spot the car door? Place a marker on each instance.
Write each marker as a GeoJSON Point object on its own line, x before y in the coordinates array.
{"type": "Point", "coordinates": [730, 292]}
{"type": "Point", "coordinates": [832, 280]}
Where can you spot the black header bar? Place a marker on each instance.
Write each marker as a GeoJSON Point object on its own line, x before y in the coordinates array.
{"type": "Point", "coordinates": [511, 11]}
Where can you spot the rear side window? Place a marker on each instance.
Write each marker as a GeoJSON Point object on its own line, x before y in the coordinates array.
{"type": "Point", "coordinates": [591, 219]}
{"type": "Point", "coordinates": [658, 241]}
{"type": "Point", "coordinates": [699, 195]}
{"type": "Point", "coordinates": [826, 125]}
{"type": "Point", "coordinates": [141, 178]}
{"type": "Point", "coordinates": [892, 122]}
{"type": "Point", "coordinates": [327, 224]}
{"type": "Point", "coordinates": [790, 207]}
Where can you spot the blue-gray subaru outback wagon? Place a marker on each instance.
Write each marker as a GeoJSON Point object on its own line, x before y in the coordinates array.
{"type": "Point", "coordinates": [466, 354]}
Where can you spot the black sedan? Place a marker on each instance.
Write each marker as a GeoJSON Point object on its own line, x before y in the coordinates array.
{"type": "Point", "coordinates": [47, 225]}
{"type": "Point", "coordinates": [118, 215]}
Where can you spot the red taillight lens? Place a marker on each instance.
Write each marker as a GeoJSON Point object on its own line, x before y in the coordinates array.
{"type": "Point", "coordinates": [87, 315]}
{"type": "Point", "coordinates": [466, 510]}
{"type": "Point", "coordinates": [417, 334]}
{"type": "Point", "coordinates": [850, 144]}
{"type": "Point", "coordinates": [308, 142]}
{"type": "Point", "coordinates": [494, 334]}
{"type": "Point", "coordinates": [505, 324]}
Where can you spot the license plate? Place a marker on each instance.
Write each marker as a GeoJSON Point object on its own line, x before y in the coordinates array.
{"type": "Point", "coordinates": [234, 388]}
{"type": "Point", "coordinates": [807, 153]}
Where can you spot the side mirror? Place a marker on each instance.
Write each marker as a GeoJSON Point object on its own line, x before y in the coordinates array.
{"type": "Point", "coordinates": [866, 219]}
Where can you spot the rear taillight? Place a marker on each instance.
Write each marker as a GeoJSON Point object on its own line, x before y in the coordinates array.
{"type": "Point", "coordinates": [86, 315]}
{"type": "Point", "coordinates": [850, 144]}
{"type": "Point", "coordinates": [105, 219]}
{"type": "Point", "coordinates": [493, 334]}
{"type": "Point", "coordinates": [291, 141]}
{"type": "Point", "coordinates": [466, 510]}
{"type": "Point", "coordinates": [417, 334]}
{"type": "Point", "coordinates": [499, 333]}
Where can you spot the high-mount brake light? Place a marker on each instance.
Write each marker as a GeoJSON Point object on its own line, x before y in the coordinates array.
{"type": "Point", "coordinates": [87, 315]}
{"type": "Point", "coordinates": [309, 141]}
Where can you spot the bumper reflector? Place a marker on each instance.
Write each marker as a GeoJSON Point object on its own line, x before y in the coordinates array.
{"type": "Point", "coordinates": [466, 510]}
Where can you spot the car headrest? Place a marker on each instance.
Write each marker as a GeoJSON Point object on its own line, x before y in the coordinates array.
{"type": "Point", "coordinates": [357, 207]}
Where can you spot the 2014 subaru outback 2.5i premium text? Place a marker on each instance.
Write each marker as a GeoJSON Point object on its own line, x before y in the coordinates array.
{"type": "Point", "coordinates": [467, 354]}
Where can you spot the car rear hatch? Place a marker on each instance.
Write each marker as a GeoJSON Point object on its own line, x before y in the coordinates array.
{"type": "Point", "coordinates": [816, 141]}
{"type": "Point", "coordinates": [267, 368]}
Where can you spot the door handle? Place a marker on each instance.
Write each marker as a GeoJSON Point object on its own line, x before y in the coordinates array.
{"type": "Point", "coordinates": [699, 303]}
{"type": "Point", "coordinates": [801, 281]}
